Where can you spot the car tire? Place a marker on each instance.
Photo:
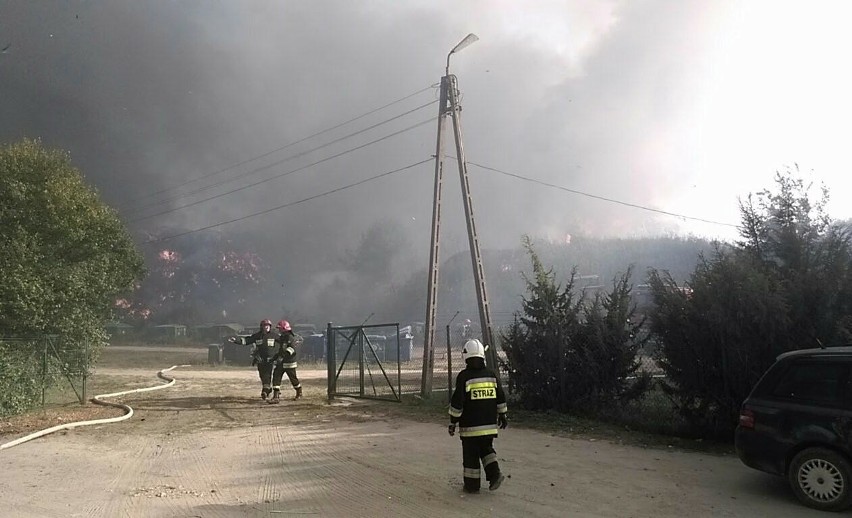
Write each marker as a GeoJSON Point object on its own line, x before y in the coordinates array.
{"type": "Point", "coordinates": [820, 479]}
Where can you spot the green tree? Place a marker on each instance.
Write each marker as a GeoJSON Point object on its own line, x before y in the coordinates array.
{"type": "Point", "coordinates": [66, 255]}
{"type": "Point", "coordinates": [716, 336]}
{"type": "Point", "coordinates": [566, 353]}
{"type": "Point", "coordinates": [784, 286]}
{"type": "Point", "coordinates": [792, 239]}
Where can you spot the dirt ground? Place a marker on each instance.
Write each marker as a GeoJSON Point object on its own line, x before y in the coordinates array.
{"type": "Point", "coordinates": [209, 447]}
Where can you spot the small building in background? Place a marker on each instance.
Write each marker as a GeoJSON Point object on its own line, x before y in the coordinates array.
{"type": "Point", "coordinates": [120, 332]}
{"type": "Point", "coordinates": [215, 333]}
{"type": "Point", "coordinates": [168, 333]}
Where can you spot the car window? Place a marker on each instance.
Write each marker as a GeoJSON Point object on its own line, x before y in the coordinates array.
{"type": "Point", "coordinates": [814, 381]}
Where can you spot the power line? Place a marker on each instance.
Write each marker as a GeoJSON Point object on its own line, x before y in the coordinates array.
{"type": "Point", "coordinates": [284, 174]}
{"type": "Point", "coordinates": [611, 200]}
{"type": "Point", "coordinates": [278, 162]}
{"type": "Point", "coordinates": [279, 207]}
{"type": "Point", "coordinates": [258, 157]}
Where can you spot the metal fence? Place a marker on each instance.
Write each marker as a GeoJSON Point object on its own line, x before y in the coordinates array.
{"type": "Point", "coordinates": [654, 406]}
{"type": "Point", "coordinates": [40, 370]}
{"type": "Point", "coordinates": [448, 361]}
{"type": "Point", "coordinates": [375, 361]}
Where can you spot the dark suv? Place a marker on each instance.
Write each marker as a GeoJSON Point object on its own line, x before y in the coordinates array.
{"type": "Point", "coordinates": [797, 423]}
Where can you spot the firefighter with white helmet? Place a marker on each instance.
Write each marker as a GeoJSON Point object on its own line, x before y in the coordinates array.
{"type": "Point", "coordinates": [263, 343]}
{"type": "Point", "coordinates": [478, 408]}
{"type": "Point", "coordinates": [285, 360]}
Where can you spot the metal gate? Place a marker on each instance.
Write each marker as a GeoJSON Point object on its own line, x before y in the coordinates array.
{"type": "Point", "coordinates": [364, 362]}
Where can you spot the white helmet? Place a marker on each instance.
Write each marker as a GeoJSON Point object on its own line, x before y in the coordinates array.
{"type": "Point", "coordinates": [474, 349]}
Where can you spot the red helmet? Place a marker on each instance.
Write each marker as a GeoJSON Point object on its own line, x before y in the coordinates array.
{"type": "Point", "coordinates": [283, 325]}
{"type": "Point", "coordinates": [266, 322]}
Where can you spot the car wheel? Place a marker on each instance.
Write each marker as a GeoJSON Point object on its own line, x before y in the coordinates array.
{"type": "Point", "coordinates": [820, 479]}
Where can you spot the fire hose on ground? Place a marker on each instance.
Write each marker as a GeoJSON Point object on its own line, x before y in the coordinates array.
{"type": "Point", "coordinates": [99, 399]}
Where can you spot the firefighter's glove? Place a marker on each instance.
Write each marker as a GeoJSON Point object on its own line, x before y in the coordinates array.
{"type": "Point", "coordinates": [232, 339]}
{"type": "Point", "coordinates": [451, 429]}
{"type": "Point", "coordinates": [502, 421]}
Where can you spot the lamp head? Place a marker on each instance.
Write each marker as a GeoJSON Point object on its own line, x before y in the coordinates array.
{"type": "Point", "coordinates": [468, 40]}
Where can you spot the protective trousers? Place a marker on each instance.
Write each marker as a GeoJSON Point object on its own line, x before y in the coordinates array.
{"type": "Point", "coordinates": [278, 375]}
{"type": "Point", "coordinates": [474, 451]}
{"type": "Point", "coordinates": [265, 371]}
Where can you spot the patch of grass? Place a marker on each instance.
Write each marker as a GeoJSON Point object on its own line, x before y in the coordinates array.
{"type": "Point", "coordinates": [152, 357]}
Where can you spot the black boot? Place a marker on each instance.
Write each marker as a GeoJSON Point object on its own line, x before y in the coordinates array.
{"type": "Point", "coordinates": [276, 397]}
{"type": "Point", "coordinates": [298, 394]}
{"type": "Point", "coordinates": [264, 393]}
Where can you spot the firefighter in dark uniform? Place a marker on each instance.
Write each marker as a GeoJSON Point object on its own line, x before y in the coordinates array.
{"type": "Point", "coordinates": [478, 407]}
{"type": "Point", "coordinates": [285, 360]}
{"type": "Point", "coordinates": [263, 343]}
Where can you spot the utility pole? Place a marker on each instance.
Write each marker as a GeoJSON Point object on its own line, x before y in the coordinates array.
{"type": "Point", "coordinates": [473, 240]}
{"type": "Point", "coordinates": [449, 105]}
{"type": "Point", "coordinates": [432, 294]}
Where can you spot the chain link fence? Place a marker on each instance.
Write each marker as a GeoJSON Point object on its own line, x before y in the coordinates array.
{"type": "Point", "coordinates": [40, 371]}
{"type": "Point", "coordinates": [448, 362]}
{"type": "Point", "coordinates": [375, 361]}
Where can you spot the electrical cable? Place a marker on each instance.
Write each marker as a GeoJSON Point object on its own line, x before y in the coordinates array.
{"type": "Point", "coordinates": [430, 87]}
{"type": "Point", "coordinates": [98, 400]}
{"type": "Point", "coordinates": [332, 191]}
{"type": "Point", "coordinates": [602, 198]}
{"type": "Point", "coordinates": [281, 161]}
{"type": "Point", "coordinates": [285, 174]}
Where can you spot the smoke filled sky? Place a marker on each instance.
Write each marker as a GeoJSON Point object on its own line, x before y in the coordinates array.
{"type": "Point", "coordinates": [174, 109]}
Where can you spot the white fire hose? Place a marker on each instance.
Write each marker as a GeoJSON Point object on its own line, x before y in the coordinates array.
{"type": "Point", "coordinates": [98, 400]}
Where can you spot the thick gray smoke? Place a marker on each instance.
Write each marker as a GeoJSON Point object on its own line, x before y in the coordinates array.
{"type": "Point", "coordinates": [152, 99]}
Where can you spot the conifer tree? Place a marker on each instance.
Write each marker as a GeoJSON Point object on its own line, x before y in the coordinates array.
{"type": "Point", "coordinates": [784, 286]}
{"type": "Point", "coordinates": [567, 353]}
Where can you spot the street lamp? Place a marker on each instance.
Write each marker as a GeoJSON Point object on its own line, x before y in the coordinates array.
{"type": "Point", "coordinates": [449, 106]}
{"type": "Point", "coordinates": [468, 40]}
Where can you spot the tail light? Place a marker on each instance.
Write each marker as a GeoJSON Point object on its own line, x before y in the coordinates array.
{"type": "Point", "coordinates": [746, 418]}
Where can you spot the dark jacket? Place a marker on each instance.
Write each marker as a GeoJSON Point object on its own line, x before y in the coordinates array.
{"type": "Point", "coordinates": [285, 352]}
{"type": "Point", "coordinates": [476, 401]}
{"type": "Point", "coordinates": [263, 342]}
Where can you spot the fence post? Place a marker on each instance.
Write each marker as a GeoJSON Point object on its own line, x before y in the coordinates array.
{"type": "Point", "coordinates": [449, 366]}
{"type": "Point", "coordinates": [399, 363]}
{"type": "Point", "coordinates": [331, 360]}
{"type": "Point", "coordinates": [43, 369]}
{"type": "Point", "coordinates": [85, 369]}
{"type": "Point", "coordinates": [360, 334]}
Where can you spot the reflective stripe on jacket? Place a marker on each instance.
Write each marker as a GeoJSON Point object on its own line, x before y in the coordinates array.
{"type": "Point", "coordinates": [477, 399]}
{"type": "Point", "coordinates": [264, 344]}
{"type": "Point", "coordinates": [286, 352]}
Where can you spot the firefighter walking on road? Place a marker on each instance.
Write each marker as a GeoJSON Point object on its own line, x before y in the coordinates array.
{"type": "Point", "coordinates": [285, 360]}
{"type": "Point", "coordinates": [263, 343]}
{"type": "Point", "coordinates": [478, 407]}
